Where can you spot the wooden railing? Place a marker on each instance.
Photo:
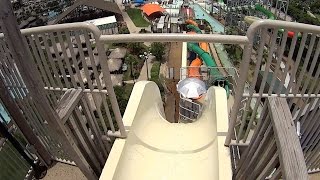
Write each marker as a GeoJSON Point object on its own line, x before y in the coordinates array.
{"type": "Point", "coordinates": [79, 122]}
{"type": "Point", "coordinates": [274, 150]}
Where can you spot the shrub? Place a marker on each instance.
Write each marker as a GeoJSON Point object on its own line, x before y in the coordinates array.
{"type": "Point", "coordinates": [157, 49]}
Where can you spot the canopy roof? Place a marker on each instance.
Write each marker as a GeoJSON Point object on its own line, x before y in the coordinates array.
{"type": "Point", "coordinates": [149, 9]}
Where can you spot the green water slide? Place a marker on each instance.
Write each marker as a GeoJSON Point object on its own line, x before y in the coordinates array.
{"type": "Point", "coordinates": [216, 77]}
{"type": "Point", "coordinates": [206, 57]}
{"type": "Point", "coordinates": [194, 28]}
{"type": "Point", "coordinates": [271, 16]}
{"type": "Point", "coordinates": [268, 13]}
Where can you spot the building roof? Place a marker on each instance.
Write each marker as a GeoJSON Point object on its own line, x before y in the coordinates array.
{"type": "Point", "coordinates": [174, 20]}
{"type": "Point", "coordinates": [100, 4]}
{"type": "Point", "coordinates": [118, 53]}
{"type": "Point", "coordinates": [149, 9]}
{"type": "Point", "coordinates": [114, 64]}
{"type": "Point", "coordinates": [116, 80]}
{"type": "Point", "coordinates": [103, 21]}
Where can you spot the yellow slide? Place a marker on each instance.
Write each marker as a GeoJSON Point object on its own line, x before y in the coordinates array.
{"type": "Point", "coordinates": [156, 149]}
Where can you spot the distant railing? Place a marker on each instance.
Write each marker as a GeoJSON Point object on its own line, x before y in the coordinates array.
{"type": "Point", "coordinates": [189, 111]}
{"type": "Point", "coordinates": [204, 74]}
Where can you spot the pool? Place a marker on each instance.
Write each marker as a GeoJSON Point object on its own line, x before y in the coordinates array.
{"type": "Point", "coordinates": [200, 13]}
{"type": "Point", "coordinates": [4, 114]}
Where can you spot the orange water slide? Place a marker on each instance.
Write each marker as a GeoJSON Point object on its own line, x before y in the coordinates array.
{"type": "Point", "coordinates": [193, 71]}
{"type": "Point", "coordinates": [204, 46]}
{"type": "Point", "coordinates": [189, 21]}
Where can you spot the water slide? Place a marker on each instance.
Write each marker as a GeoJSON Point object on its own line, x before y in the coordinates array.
{"type": "Point", "coordinates": [194, 69]}
{"type": "Point", "coordinates": [203, 54]}
{"type": "Point", "coordinates": [270, 15]}
{"type": "Point", "coordinates": [156, 149]}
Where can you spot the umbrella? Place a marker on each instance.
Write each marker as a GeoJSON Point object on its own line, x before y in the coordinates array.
{"type": "Point", "coordinates": [191, 87]}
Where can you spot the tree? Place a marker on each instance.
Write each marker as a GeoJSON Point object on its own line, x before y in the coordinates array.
{"type": "Point", "coordinates": [132, 61]}
{"type": "Point", "coordinates": [136, 48]}
{"type": "Point", "coordinates": [124, 30]}
{"type": "Point", "coordinates": [157, 49]}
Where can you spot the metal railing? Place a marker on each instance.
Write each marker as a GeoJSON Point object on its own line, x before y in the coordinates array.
{"type": "Point", "coordinates": [189, 111]}
{"type": "Point", "coordinates": [56, 52]}
{"type": "Point", "coordinates": [205, 75]}
{"type": "Point", "coordinates": [280, 67]}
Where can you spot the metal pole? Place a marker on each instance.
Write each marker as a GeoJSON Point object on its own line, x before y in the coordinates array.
{"type": "Point", "coordinates": [146, 59]}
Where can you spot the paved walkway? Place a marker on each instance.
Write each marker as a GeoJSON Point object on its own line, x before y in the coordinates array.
{"type": "Point", "coordinates": [143, 72]}
{"type": "Point", "coordinates": [64, 171]}
{"type": "Point", "coordinates": [131, 26]}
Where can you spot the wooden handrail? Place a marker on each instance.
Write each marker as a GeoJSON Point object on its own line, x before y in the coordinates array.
{"type": "Point", "coordinates": [291, 156]}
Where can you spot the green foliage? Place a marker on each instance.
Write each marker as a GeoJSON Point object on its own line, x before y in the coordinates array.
{"type": "Point", "coordinates": [136, 48]}
{"type": "Point", "coordinates": [232, 30]}
{"type": "Point", "coordinates": [247, 121]}
{"type": "Point", "coordinates": [124, 30]}
{"type": "Point", "coordinates": [123, 94]}
{"type": "Point", "coordinates": [298, 11]}
{"type": "Point", "coordinates": [155, 70]}
{"type": "Point", "coordinates": [136, 17]}
{"type": "Point", "coordinates": [157, 49]}
{"type": "Point", "coordinates": [9, 159]}
{"type": "Point", "coordinates": [235, 53]}
{"type": "Point", "coordinates": [131, 59]}
{"type": "Point", "coordinates": [132, 71]}
{"type": "Point", "coordinates": [315, 7]}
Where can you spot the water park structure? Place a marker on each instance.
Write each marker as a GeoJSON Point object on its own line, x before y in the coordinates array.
{"type": "Point", "coordinates": [246, 127]}
{"type": "Point", "coordinates": [234, 11]}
